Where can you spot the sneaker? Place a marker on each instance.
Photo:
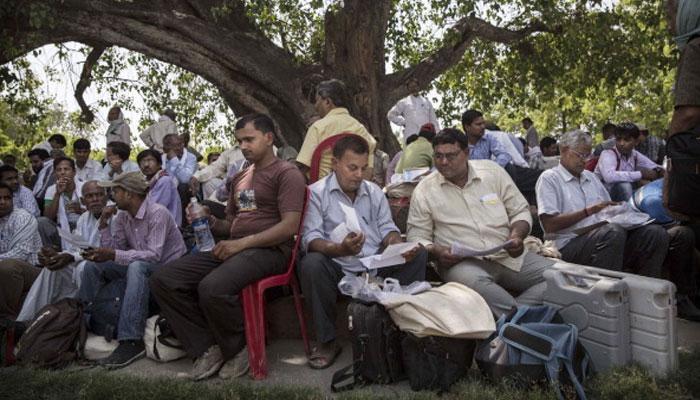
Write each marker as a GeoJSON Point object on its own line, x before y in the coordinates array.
{"type": "Point", "coordinates": [207, 364]}
{"type": "Point", "coordinates": [127, 352]}
{"type": "Point", "coordinates": [237, 366]}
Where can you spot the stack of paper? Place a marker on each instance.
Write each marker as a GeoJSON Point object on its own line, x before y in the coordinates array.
{"type": "Point", "coordinates": [392, 255]}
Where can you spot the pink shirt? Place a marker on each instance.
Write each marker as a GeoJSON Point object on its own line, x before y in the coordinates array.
{"type": "Point", "coordinates": [629, 167]}
{"type": "Point", "coordinates": [151, 236]}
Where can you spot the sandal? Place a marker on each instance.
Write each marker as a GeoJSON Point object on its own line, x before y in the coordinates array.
{"type": "Point", "coordinates": [322, 360]}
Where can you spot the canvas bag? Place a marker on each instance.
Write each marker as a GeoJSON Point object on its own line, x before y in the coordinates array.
{"type": "Point", "coordinates": [451, 310]}
{"type": "Point", "coordinates": [161, 344]}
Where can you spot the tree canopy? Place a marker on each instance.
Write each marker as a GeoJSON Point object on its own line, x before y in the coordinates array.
{"type": "Point", "coordinates": [563, 63]}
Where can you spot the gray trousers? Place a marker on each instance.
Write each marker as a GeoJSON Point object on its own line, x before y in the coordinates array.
{"type": "Point", "coordinates": [641, 251]}
{"type": "Point", "coordinates": [495, 283]}
{"type": "Point", "coordinates": [319, 276]}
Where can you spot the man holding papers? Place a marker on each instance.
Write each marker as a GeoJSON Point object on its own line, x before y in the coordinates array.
{"type": "Point", "coordinates": [471, 207]}
{"type": "Point", "coordinates": [570, 201]}
{"type": "Point", "coordinates": [348, 220]}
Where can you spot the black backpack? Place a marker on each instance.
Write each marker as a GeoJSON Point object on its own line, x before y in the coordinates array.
{"type": "Point", "coordinates": [435, 363]}
{"type": "Point", "coordinates": [682, 183]}
{"type": "Point", "coordinates": [376, 348]}
{"type": "Point", "coordinates": [104, 310]}
{"type": "Point", "coordinates": [55, 337]}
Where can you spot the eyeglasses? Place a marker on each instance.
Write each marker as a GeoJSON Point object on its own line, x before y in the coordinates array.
{"type": "Point", "coordinates": [446, 156]}
{"type": "Point", "coordinates": [582, 156]}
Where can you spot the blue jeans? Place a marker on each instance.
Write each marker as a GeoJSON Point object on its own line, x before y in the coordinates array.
{"type": "Point", "coordinates": [134, 311]}
{"type": "Point", "coordinates": [621, 191]}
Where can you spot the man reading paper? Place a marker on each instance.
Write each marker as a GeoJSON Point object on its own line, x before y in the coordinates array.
{"type": "Point", "coordinates": [344, 198]}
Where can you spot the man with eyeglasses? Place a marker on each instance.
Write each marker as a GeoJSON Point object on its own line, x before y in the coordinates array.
{"type": "Point", "coordinates": [476, 204]}
{"type": "Point", "coordinates": [567, 198]}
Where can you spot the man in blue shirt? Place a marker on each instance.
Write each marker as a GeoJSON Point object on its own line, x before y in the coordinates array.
{"type": "Point", "coordinates": [481, 145]}
{"type": "Point", "coordinates": [327, 260]}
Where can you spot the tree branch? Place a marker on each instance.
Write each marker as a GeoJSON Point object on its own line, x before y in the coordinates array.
{"type": "Point", "coordinates": [87, 116]}
{"type": "Point", "coordinates": [455, 43]}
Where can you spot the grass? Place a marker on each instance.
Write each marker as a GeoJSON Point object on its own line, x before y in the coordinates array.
{"type": "Point", "coordinates": [628, 383]}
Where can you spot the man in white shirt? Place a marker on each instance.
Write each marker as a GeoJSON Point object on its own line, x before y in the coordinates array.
{"type": "Point", "coordinates": [213, 175]}
{"type": "Point", "coordinates": [62, 205]}
{"type": "Point", "coordinates": [154, 134]}
{"type": "Point", "coordinates": [60, 277]}
{"type": "Point", "coordinates": [118, 160]}
{"type": "Point", "coordinates": [179, 162]}
{"type": "Point", "coordinates": [86, 169]}
{"type": "Point", "coordinates": [412, 112]}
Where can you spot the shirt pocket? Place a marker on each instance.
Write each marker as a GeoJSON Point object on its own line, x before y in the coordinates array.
{"type": "Point", "coordinates": [493, 208]}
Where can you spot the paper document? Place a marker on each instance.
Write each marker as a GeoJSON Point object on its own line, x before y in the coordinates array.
{"type": "Point", "coordinates": [351, 221]}
{"type": "Point", "coordinates": [461, 250]}
{"type": "Point", "coordinates": [73, 239]}
{"type": "Point", "coordinates": [390, 256]}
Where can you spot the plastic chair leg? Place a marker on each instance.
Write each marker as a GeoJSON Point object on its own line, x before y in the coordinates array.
{"type": "Point", "coordinates": [252, 329]}
{"type": "Point", "coordinates": [260, 369]}
{"type": "Point", "coordinates": [300, 314]}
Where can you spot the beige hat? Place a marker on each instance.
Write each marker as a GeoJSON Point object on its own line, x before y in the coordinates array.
{"type": "Point", "coordinates": [130, 181]}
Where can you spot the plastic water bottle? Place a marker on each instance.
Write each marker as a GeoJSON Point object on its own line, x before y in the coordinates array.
{"type": "Point", "coordinates": [200, 225]}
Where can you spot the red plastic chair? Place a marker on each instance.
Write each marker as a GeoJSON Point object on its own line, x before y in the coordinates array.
{"type": "Point", "coordinates": [325, 145]}
{"type": "Point", "coordinates": [254, 308]}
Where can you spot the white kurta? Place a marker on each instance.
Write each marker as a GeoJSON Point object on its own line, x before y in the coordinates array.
{"type": "Point", "coordinates": [52, 286]}
{"type": "Point", "coordinates": [411, 113]}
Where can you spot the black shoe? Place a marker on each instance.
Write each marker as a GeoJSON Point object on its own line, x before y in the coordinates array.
{"type": "Point", "coordinates": [686, 309]}
{"type": "Point", "coordinates": [127, 352]}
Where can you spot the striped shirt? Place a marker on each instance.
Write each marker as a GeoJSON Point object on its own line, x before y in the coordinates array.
{"type": "Point", "coordinates": [24, 198]}
{"type": "Point", "coordinates": [19, 237]}
{"type": "Point", "coordinates": [151, 236]}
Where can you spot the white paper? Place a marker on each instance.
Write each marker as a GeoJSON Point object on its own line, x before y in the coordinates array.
{"type": "Point", "coordinates": [351, 221]}
{"type": "Point", "coordinates": [73, 239]}
{"type": "Point", "coordinates": [461, 250]}
{"type": "Point", "coordinates": [339, 233]}
{"type": "Point", "coordinates": [390, 256]}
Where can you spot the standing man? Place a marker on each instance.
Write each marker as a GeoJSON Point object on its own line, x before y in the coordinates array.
{"type": "Point", "coordinates": [154, 134]}
{"type": "Point", "coordinates": [531, 137]}
{"type": "Point", "coordinates": [199, 293]}
{"type": "Point", "coordinates": [412, 112]}
{"type": "Point", "coordinates": [143, 237]}
{"type": "Point", "coordinates": [19, 245]}
{"type": "Point", "coordinates": [327, 260]}
{"type": "Point", "coordinates": [686, 114]}
{"type": "Point", "coordinates": [162, 186]}
{"type": "Point", "coordinates": [118, 130]}
{"type": "Point", "coordinates": [21, 196]}
{"type": "Point", "coordinates": [86, 169]}
{"type": "Point", "coordinates": [331, 103]}
{"type": "Point", "coordinates": [476, 203]}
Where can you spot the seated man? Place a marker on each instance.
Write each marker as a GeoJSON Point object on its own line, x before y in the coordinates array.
{"type": "Point", "coordinates": [326, 260]}
{"type": "Point", "coordinates": [475, 203]}
{"type": "Point", "coordinates": [545, 156]}
{"type": "Point", "coordinates": [331, 102]}
{"type": "Point", "coordinates": [653, 147]}
{"type": "Point", "coordinates": [418, 154]}
{"type": "Point", "coordinates": [19, 245]}
{"type": "Point", "coordinates": [178, 161]}
{"type": "Point", "coordinates": [211, 177]}
{"type": "Point", "coordinates": [162, 187]}
{"type": "Point", "coordinates": [42, 165]}
{"type": "Point", "coordinates": [568, 195]}
{"type": "Point", "coordinates": [62, 205]}
{"type": "Point", "coordinates": [622, 168]}
{"type": "Point", "coordinates": [199, 293]}
{"type": "Point", "coordinates": [86, 169]}
{"type": "Point", "coordinates": [60, 277]}
{"type": "Point", "coordinates": [118, 162]}
{"type": "Point", "coordinates": [21, 196]}
{"type": "Point", "coordinates": [142, 237]}
{"type": "Point", "coordinates": [482, 146]}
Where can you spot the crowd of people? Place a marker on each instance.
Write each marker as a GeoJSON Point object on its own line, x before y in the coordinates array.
{"type": "Point", "coordinates": [70, 226]}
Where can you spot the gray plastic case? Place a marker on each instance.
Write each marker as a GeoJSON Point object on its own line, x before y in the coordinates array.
{"type": "Point", "coordinates": [652, 317]}
{"type": "Point", "coordinates": [599, 307]}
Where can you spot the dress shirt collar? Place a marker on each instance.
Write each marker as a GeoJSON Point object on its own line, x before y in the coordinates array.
{"type": "Point", "coordinates": [338, 111]}
{"type": "Point", "coordinates": [141, 214]}
{"type": "Point", "coordinates": [472, 174]}
{"type": "Point", "coordinates": [567, 176]}
{"type": "Point", "coordinates": [333, 185]}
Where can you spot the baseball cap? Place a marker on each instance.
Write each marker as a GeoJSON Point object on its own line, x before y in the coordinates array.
{"type": "Point", "coordinates": [130, 181]}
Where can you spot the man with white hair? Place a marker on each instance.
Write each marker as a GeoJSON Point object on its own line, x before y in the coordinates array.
{"type": "Point", "coordinates": [568, 197]}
